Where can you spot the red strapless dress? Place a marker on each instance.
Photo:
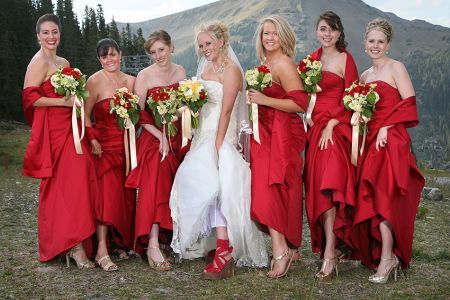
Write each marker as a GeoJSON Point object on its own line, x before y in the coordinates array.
{"type": "Point", "coordinates": [68, 181]}
{"type": "Point", "coordinates": [329, 175]}
{"type": "Point", "coordinates": [116, 203]}
{"type": "Point", "coordinates": [390, 183]}
{"type": "Point", "coordinates": [276, 166]}
{"type": "Point", "coordinates": [154, 180]}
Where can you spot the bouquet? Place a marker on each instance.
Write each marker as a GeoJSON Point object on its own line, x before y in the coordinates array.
{"type": "Point", "coordinates": [126, 106]}
{"type": "Point", "coordinates": [361, 99]}
{"type": "Point", "coordinates": [70, 81]}
{"type": "Point", "coordinates": [163, 103]}
{"type": "Point", "coordinates": [193, 95]}
{"type": "Point", "coordinates": [310, 72]}
{"type": "Point", "coordinates": [258, 79]}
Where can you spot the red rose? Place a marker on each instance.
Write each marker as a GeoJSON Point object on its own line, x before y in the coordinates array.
{"type": "Point", "coordinates": [263, 69]}
{"type": "Point", "coordinates": [76, 75]}
{"type": "Point", "coordinates": [302, 67]}
{"type": "Point", "coordinates": [127, 105]}
{"type": "Point", "coordinates": [116, 101]}
{"type": "Point", "coordinates": [66, 71]}
{"type": "Point", "coordinates": [202, 95]}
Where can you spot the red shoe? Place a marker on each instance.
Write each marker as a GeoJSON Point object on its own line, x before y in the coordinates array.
{"type": "Point", "coordinates": [224, 267]}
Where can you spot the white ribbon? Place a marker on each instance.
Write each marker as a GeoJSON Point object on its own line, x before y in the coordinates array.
{"type": "Point", "coordinates": [355, 121]}
{"type": "Point", "coordinates": [255, 122]}
{"type": "Point", "coordinates": [309, 111]}
{"type": "Point", "coordinates": [75, 133]}
{"type": "Point", "coordinates": [130, 146]}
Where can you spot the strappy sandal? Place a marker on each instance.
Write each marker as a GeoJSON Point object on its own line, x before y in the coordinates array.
{"type": "Point", "coordinates": [86, 264]}
{"type": "Point", "coordinates": [223, 267]}
{"type": "Point", "coordinates": [109, 266]}
{"type": "Point", "coordinates": [163, 265]}
{"type": "Point", "coordinates": [274, 260]}
{"type": "Point", "coordinates": [122, 254]}
{"type": "Point", "coordinates": [321, 275]}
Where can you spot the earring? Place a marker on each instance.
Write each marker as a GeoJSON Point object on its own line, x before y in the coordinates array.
{"type": "Point", "coordinates": [387, 52]}
{"type": "Point", "coordinates": [365, 50]}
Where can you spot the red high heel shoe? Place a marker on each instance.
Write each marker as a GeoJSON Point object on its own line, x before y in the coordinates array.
{"type": "Point", "coordinates": [224, 267]}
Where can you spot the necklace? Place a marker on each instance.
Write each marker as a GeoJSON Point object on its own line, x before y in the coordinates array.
{"type": "Point", "coordinates": [221, 68]}
{"type": "Point", "coordinates": [115, 82]}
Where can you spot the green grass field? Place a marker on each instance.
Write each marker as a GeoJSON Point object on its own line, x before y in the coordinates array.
{"type": "Point", "coordinates": [23, 276]}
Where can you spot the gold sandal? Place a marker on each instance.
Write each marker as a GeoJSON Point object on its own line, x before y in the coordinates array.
{"type": "Point", "coordinates": [86, 264]}
{"type": "Point", "coordinates": [287, 254]}
{"type": "Point", "coordinates": [321, 275]}
{"type": "Point", "coordinates": [163, 265]}
{"type": "Point", "coordinates": [109, 266]}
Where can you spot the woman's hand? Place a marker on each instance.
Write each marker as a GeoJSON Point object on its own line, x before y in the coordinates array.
{"type": "Point", "coordinates": [163, 145]}
{"type": "Point", "coordinates": [69, 102]}
{"type": "Point", "coordinates": [327, 134]}
{"type": "Point", "coordinates": [381, 138]}
{"type": "Point", "coordinates": [218, 145]}
{"type": "Point", "coordinates": [96, 148]}
{"type": "Point", "coordinates": [254, 96]}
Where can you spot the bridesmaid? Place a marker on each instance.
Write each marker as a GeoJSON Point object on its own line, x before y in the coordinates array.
{"type": "Point", "coordinates": [390, 183]}
{"type": "Point", "coordinates": [68, 180]}
{"type": "Point", "coordinates": [276, 163]}
{"type": "Point", "coordinates": [115, 208]}
{"type": "Point", "coordinates": [329, 174]}
{"type": "Point", "coordinates": [152, 176]}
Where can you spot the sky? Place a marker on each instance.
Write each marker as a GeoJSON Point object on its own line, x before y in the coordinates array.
{"type": "Point", "coordinates": [132, 11]}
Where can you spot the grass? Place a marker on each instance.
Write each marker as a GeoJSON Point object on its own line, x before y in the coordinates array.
{"type": "Point", "coordinates": [23, 276]}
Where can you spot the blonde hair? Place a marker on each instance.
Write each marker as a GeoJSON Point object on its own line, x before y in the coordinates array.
{"type": "Point", "coordinates": [217, 30]}
{"type": "Point", "coordinates": [381, 25]}
{"type": "Point", "coordinates": [285, 32]}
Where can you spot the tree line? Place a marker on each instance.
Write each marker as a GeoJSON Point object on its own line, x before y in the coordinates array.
{"type": "Point", "coordinates": [18, 43]}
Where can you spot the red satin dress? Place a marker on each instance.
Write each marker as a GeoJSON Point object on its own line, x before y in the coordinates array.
{"type": "Point", "coordinates": [329, 176]}
{"type": "Point", "coordinates": [116, 203]}
{"type": "Point", "coordinates": [154, 179]}
{"type": "Point", "coordinates": [390, 184]}
{"type": "Point", "coordinates": [68, 181]}
{"type": "Point", "coordinates": [276, 166]}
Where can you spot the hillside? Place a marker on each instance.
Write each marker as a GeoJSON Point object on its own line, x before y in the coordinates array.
{"type": "Point", "coordinates": [423, 48]}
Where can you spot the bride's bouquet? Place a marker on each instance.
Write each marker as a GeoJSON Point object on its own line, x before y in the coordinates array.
{"type": "Point", "coordinates": [361, 99]}
{"type": "Point", "coordinates": [163, 103]}
{"type": "Point", "coordinates": [310, 72]}
{"type": "Point", "coordinates": [193, 95]}
{"type": "Point", "coordinates": [257, 78]}
{"type": "Point", "coordinates": [126, 106]}
{"type": "Point", "coordinates": [67, 82]}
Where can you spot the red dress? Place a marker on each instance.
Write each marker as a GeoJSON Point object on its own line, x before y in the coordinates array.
{"type": "Point", "coordinates": [68, 181]}
{"type": "Point", "coordinates": [116, 204]}
{"type": "Point", "coordinates": [154, 180]}
{"type": "Point", "coordinates": [276, 166]}
{"type": "Point", "coordinates": [390, 183]}
{"type": "Point", "coordinates": [329, 175]}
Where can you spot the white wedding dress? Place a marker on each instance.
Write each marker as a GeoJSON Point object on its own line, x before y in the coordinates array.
{"type": "Point", "coordinates": [206, 182]}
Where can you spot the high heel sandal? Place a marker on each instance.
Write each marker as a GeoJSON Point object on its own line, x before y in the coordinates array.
{"type": "Point", "coordinates": [86, 264]}
{"type": "Point", "coordinates": [110, 266]}
{"type": "Point", "coordinates": [274, 260]}
{"type": "Point", "coordinates": [321, 275]}
{"type": "Point", "coordinates": [163, 265]}
{"type": "Point", "coordinates": [384, 278]}
{"type": "Point", "coordinates": [224, 267]}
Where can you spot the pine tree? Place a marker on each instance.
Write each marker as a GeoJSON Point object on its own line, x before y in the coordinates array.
{"type": "Point", "coordinates": [102, 32]}
{"type": "Point", "coordinates": [114, 33]}
{"type": "Point", "coordinates": [138, 42]}
{"type": "Point", "coordinates": [44, 7]}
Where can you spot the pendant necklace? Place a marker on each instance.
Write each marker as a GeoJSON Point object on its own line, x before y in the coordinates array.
{"type": "Point", "coordinates": [221, 68]}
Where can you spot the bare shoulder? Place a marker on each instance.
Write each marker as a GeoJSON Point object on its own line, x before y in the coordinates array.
{"type": "Point", "coordinates": [180, 72]}
{"type": "Point", "coordinates": [94, 78]}
{"type": "Point", "coordinates": [397, 67]}
{"type": "Point", "coordinates": [130, 80]}
{"type": "Point", "coordinates": [63, 62]}
{"type": "Point", "coordinates": [364, 75]}
{"type": "Point", "coordinates": [232, 69]}
{"type": "Point", "coordinates": [285, 62]}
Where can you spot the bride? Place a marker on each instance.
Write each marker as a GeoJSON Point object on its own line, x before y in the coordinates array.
{"type": "Point", "coordinates": [210, 196]}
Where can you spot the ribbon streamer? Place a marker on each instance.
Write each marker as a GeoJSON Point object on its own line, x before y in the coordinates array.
{"type": "Point", "coordinates": [255, 122]}
{"type": "Point", "coordinates": [130, 146]}
{"type": "Point", "coordinates": [355, 121]}
{"type": "Point", "coordinates": [75, 133]}
{"type": "Point", "coordinates": [309, 111]}
{"type": "Point", "coordinates": [186, 128]}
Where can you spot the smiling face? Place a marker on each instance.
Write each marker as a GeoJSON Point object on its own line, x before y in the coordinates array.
{"type": "Point", "coordinates": [209, 47]}
{"type": "Point", "coordinates": [326, 35]}
{"type": "Point", "coordinates": [49, 35]}
{"type": "Point", "coordinates": [269, 37]}
{"type": "Point", "coordinates": [161, 53]}
{"type": "Point", "coordinates": [111, 60]}
{"type": "Point", "coordinates": [376, 44]}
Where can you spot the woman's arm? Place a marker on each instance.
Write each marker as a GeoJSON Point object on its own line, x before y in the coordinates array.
{"type": "Point", "coordinates": [91, 86]}
{"type": "Point", "coordinates": [232, 84]}
{"type": "Point", "coordinates": [402, 80]}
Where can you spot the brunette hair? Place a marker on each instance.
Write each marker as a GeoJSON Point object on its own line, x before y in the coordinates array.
{"type": "Point", "coordinates": [47, 18]}
{"type": "Point", "coordinates": [334, 21]}
{"type": "Point", "coordinates": [382, 25]}
{"type": "Point", "coordinates": [158, 35]}
{"type": "Point", "coordinates": [104, 45]}
{"type": "Point", "coordinates": [285, 34]}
